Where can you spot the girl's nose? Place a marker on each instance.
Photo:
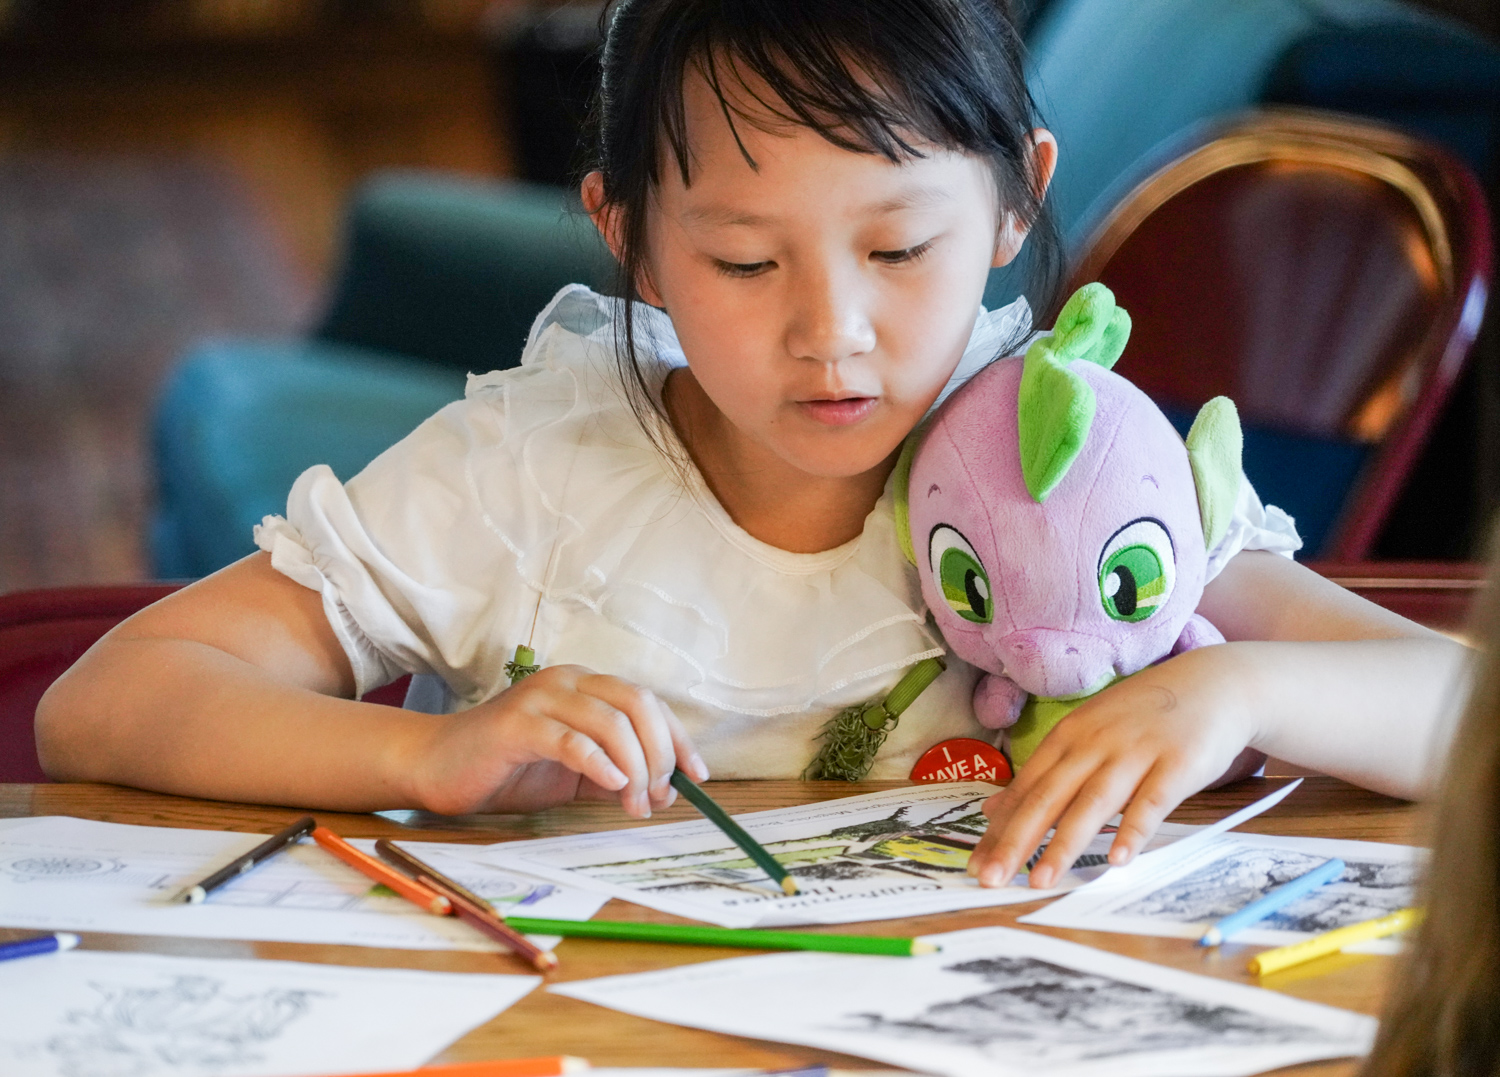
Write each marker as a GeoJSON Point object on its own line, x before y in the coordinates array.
{"type": "Point", "coordinates": [829, 320]}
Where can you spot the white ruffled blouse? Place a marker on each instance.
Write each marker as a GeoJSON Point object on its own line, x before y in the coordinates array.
{"type": "Point", "coordinates": [540, 497]}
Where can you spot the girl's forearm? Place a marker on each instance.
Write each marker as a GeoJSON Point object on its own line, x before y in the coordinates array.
{"type": "Point", "coordinates": [1375, 712]}
{"type": "Point", "coordinates": [185, 717]}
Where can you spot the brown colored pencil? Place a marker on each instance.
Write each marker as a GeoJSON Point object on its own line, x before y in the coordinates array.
{"type": "Point", "coordinates": [468, 906]}
{"type": "Point", "coordinates": [423, 897]}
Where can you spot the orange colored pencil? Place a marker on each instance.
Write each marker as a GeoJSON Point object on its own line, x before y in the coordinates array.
{"type": "Point", "coordinates": [555, 1066]}
{"type": "Point", "coordinates": [423, 897]}
{"type": "Point", "coordinates": [468, 906]}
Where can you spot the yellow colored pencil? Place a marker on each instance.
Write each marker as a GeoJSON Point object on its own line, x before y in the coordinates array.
{"type": "Point", "coordinates": [1330, 942]}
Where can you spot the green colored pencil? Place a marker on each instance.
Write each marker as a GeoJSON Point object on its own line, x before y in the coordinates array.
{"type": "Point", "coordinates": [694, 935]}
{"type": "Point", "coordinates": [736, 833]}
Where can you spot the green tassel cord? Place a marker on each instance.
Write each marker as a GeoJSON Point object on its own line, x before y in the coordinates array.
{"type": "Point", "coordinates": [852, 737]}
{"type": "Point", "coordinates": [522, 665]}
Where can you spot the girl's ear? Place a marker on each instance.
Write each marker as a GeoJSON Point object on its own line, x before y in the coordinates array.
{"type": "Point", "coordinates": [1012, 229]}
{"type": "Point", "coordinates": [606, 218]}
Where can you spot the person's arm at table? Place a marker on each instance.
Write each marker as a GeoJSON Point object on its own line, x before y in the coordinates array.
{"type": "Point", "coordinates": [1312, 674]}
{"type": "Point", "coordinates": [237, 688]}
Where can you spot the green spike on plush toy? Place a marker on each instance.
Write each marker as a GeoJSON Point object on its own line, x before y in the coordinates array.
{"type": "Point", "coordinates": [901, 496]}
{"type": "Point", "coordinates": [1215, 445]}
{"type": "Point", "coordinates": [522, 665]}
{"type": "Point", "coordinates": [1056, 405]}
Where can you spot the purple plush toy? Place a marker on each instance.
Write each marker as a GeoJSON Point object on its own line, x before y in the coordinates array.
{"type": "Point", "coordinates": [1060, 526]}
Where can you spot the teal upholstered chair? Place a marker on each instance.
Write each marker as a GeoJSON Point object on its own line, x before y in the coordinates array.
{"type": "Point", "coordinates": [442, 277]}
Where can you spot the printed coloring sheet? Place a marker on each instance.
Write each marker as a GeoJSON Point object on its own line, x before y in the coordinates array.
{"type": "Point", "coordinates": [901, 852]}
{"type": "Point", "coordinates": [1180, 897]}
{"type": "Point", "coordinates": [995, 1002]}
{"type": "Point", "coordinates": [87, 1013]}
{"type": "Point", "coordinates": [60, 873]}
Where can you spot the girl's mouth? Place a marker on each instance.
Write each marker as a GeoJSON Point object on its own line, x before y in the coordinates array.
{"type": "Point", "coordinates": [838, 412]}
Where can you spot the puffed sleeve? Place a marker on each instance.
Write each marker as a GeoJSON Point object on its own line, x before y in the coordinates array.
{"type": "Point", "coordinates": [1254, 526]}
{"type": "Point", "coordinates": [402, 555]}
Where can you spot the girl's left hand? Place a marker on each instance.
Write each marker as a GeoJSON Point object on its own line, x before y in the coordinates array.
{"type": "Point", "coordinates": [1141, 746]}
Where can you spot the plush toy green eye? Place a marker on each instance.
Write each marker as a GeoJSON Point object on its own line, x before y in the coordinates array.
{"type": "Point", "coordinates": [960, 574]}
{"type": "Point", "coordinates": [1136, 570]}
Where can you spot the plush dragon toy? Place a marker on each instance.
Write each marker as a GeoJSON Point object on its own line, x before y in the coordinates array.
{"type": "Point", "coordinates": [1060, 526]}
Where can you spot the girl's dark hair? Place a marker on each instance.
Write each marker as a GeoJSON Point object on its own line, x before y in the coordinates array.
{"type": "Point", "coordinates": [871, 76]}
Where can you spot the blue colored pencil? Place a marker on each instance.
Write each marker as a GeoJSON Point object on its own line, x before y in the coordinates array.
{"type": "Point", "coordinates": [40, 944]}
{"type": "Point", "coordinates": [1272, 902]}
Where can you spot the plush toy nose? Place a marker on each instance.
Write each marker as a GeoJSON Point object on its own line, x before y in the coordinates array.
{"type": "Point", "coordinates": [1056, 664]}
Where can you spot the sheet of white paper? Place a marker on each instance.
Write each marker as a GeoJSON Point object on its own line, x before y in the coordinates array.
{"type": "Point", "coordinates": [902, 852]}
{"type": "Point", "coordinates": [995, 1002]}
{"type": "Point", "coordinates": [1185, 895]}
{"type": "Point", "coordinates": [1150, 861]}
{"type": "Point", "coordinates": [60, 873]}
{"type": "Point", "coordinates": [92, 1014]}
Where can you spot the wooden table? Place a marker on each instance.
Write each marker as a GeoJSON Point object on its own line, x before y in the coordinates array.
{"type": "Point", "coordinates": [545, 1024]}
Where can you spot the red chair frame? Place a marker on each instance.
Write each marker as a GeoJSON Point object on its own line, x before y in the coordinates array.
{"type": "Point", "coordinates": [1451, 205]}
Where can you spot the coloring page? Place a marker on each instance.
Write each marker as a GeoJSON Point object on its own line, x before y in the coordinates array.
{"type": "Point", "coordinates": [902, 852]}
{"type": "Point", "coordinates": [92, 1014]}
{"type": "Point", "coordinates": [1183, 897]}
{"type": "Point", "coordinates": [995, 1002]}
{"type": "Point", "coordinates": [59, 873]}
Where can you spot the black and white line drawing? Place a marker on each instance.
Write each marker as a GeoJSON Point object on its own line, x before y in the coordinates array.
{"type": "Point", "coordinates": [890, 849]}
{"type": "Point", "coordinates": [182, 1025]}
{"type": "Point", "coordinates": [1366, 890]}
{"type": "Point", "coordinates": [1037, 1012]}
{"type": "Point", "coordinates": [53, 868]}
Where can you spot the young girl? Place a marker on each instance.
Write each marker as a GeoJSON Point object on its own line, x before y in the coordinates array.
{"type": "Point", "coordinates": [1443, 1018]}
{"type": "Point", "coordinates": [681, 505]}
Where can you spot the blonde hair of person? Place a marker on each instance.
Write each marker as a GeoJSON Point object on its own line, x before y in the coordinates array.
{"type": "Point", "coordinates": [1443, 1016]}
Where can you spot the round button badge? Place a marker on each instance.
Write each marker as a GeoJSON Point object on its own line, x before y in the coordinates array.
{"type": "Point", "coordinates": [962, 759]}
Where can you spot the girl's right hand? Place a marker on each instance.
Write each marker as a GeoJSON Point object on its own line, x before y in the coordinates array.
{"type": "Point", "coordinates": [561, 733]}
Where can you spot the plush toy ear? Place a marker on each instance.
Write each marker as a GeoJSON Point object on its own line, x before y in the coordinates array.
{"type": "Point", "coordinates": [1215, 445]}
{"type": "Point", "coordinates": [1053, 415]}
{"type": "Point", "coordinates": [901, 493]}
{"type": "Point", "coordinates": [1091, 327]}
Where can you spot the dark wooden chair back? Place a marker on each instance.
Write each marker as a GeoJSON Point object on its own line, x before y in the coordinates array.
{"type": "Point", "coordinates": [1327, 274]}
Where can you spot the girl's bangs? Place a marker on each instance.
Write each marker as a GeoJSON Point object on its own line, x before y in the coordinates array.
{"type": "Point", "coordinates": [848, 87]}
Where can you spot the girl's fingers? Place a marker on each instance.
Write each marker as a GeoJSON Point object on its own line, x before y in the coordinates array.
{"type": "Point", "coordinates": [613, 730]}
{"type": "Point", "coordinates": [562, 743]}
{"type": "Point", "coordinates": [1160, 792]}
{"type": "Point", "coordinates": [1030, 817]}
{"type": "Point", "coordinates": [1098, 800]}
{"type": "Point", "coordinates": [688, 759]}
{"type": "Point", "coordinates": [650, 725]}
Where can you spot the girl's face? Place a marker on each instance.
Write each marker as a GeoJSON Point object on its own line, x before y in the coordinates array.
{"type": "Point", "coordinates": [824, 297]}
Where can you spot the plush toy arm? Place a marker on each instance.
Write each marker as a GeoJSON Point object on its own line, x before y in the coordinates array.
{"type": "Point", "coordinates": [1198, 632]}
{"type": "Point", "coordinates": [998, 701]}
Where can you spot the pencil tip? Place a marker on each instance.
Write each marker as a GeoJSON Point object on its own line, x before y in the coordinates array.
{"type": "Point", "coordinates": [789, 885]}
{"type": "Point", "coordinates": [573, 1064]}
{"type": "Point", "coordinates": [922, 946]}
{"type": "Point", "coordinates": [546, 961]}
{"type": "Point", "coordinates": [66, 940]}
{"type": "Point", "coordinates": [1211, 937]}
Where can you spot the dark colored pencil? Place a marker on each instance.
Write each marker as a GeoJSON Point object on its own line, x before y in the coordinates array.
{"type": "Point", "coordinates": [199, 891]}
{"type": "Point", "coordinates": [468, 906]}
{"type": "Point", "coordinates": [736, 833]}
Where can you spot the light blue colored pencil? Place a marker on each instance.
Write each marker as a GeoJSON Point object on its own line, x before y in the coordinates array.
{"type": "Point", "coordinates": [1272, 902]}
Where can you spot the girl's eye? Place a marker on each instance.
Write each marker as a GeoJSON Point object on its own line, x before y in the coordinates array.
{"type": "Point", "coordinates": [741, 269]}
{"type": "Point", "coordinates": [908, 254]}
{"type": "Point", "coordinates": [1136, 570]}
{"type": "Point", "coordinates": [960, 575]}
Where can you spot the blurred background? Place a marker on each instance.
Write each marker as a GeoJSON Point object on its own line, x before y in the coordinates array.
{"type": "Point", "coordinates": [176, 184]}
